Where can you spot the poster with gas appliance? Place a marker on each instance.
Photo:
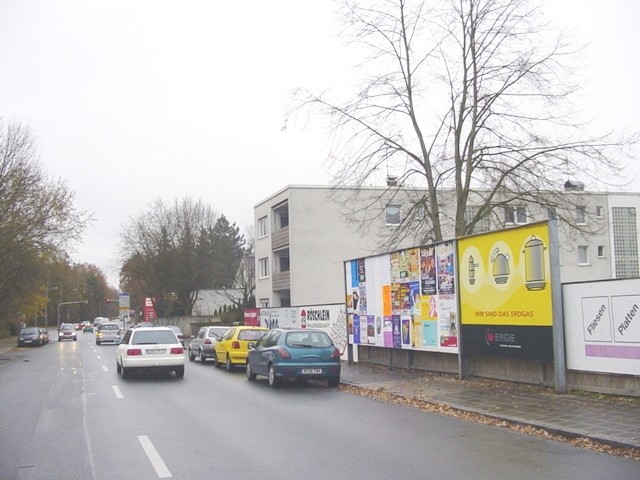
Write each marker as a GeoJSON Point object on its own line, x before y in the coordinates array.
{"type": "Point", "coordinates": [411, 299]}
{"type": "Point", "coordinates": [505, 293]}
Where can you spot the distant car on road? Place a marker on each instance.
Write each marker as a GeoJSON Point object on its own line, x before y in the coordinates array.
{"type": "Point", "coordinates": [233, 347]}
{"type": "Point", "coordinates": [294, 354]}
{"type": "Point", "coordinates": [204, 342]}
{"type": "Point", "coordinates": [108, 332]}
{"type": "Point", "coordinates": [67, 332]}
{"type": "Point", "coordinates": [178, 333]}
{"type": "Point", "coordinates": [45, 335]}
{"type": "Point", "coordinates": [150, 349]}
{"type": "Point", "coordinates": [30, 336]}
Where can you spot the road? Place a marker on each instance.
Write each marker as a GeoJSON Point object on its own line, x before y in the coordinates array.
{"type": "Point", "coordinates": [65, 414]}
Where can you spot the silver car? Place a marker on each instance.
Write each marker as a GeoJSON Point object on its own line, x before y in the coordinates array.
{"type": "Point", "coordinates": [202, 344]}
{"type": "Point", "coordinates": [108, 332]}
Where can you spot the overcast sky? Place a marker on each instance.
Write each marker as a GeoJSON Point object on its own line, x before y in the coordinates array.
{"type": "Point", "coordinates": [137, 99]}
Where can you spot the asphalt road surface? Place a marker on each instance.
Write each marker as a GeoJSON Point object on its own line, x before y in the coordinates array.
{"type": "Point", "coordinates": [66, 414]}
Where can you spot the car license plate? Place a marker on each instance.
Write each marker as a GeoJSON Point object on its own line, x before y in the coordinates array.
{"type": "Point", "coordinates": [156, 350]}
{"type": "Point", "coordinates": [311, 371]}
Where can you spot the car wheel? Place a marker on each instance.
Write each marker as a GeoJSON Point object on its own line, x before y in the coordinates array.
{"type": "Point", "coordinates": [216, 363]}
{"type": "Point", "coordinates": [118, 369]}
{"type": "Point", "coordinates": [75, 339]}
{"type": "Point", "coordinates": [191, 355]}
{"type": "Point", "coordinates": [273, 380]}
{"type": "Point", "coordinates": [179, 372]}
{"type": "Point", "coordinates": [333, 381]}
{"type": "Point", "coordinates": [229, 365]}
{"type": "Point", "coordinates": [250, 375]}
{"type": "Point", "coordinates": [202, 358]}
{"type": "Point", "coordinates": [97, 343]}
{"type": "Point", "coordinates": [125, 372]}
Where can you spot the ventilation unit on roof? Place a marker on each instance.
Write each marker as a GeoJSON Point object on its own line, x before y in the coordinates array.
{"type": "Point", "coordinates": [573, 185]}
{"type": "Point", "coordinates": [392, 181]}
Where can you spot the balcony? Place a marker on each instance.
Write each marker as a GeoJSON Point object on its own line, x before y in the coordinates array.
{"type": "Point", "coordinates": [280, 239]}
{"type": "Point", "coordinates": [281, 281]}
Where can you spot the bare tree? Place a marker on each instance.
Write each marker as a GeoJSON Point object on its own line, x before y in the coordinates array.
{"type": "Point", "coordinates": [468, 106]}
{"type": "Point", "coordinates": [37, 216]}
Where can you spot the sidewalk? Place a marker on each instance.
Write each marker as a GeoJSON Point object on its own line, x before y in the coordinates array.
{"type": "Point", "coordinates": [607, 419]}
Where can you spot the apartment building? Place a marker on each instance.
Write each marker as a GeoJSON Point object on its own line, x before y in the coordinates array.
{"type": "Point", "coordinates": [304, 234]}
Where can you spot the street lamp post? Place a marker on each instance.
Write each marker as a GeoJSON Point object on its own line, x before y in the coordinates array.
{"type": "Point", "coordinates": [68, 303]}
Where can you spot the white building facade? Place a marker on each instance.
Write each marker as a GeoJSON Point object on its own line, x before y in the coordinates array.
{"type": "Point", "coordinates": [304, 234]}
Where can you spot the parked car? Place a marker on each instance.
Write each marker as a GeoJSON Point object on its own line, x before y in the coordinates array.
{"type": "Point", "coordinates": [108, 332]}
{"type": "Point", "coordinates": [67, 332]}
{"type": "Point", "coordinates": [150, 349]}
{"type": "Point", "coordinates": [233, 346]}
{"type": "Point", "coordinates": [178, 333]}
{"type": "Point", "coordinates": [204, 342]}
{"type": "Point", "coordinates": [30, 336]}
{"type": "Point", "coordinates": [294, 354]}
{"type": "Point", "coordinates": [45, 335]}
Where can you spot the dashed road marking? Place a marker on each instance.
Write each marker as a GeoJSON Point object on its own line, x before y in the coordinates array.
{"type": "Point", "coordinates": [117, 391]}
{"type": "Point", "coordinates": [154, 457]}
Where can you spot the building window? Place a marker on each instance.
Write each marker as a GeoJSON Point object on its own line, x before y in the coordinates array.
{"type": "Point", "coordinates": [483, 225]}
{"type": "Point", "coordinates": [263, 302]}
{"type": "Point", "coordinates": [625, 242]}
{"type": "Point", "coordinates": [581, 215]}
{"type": "Point", "coordinates": [583, 255]}
{"type": "Point", "coordinates": [392, 215]}
{"type": "Point", "coordinates": [599, 211]}
{"type": "Point", "coordinates": [600, 251]}
{"type": "Point", "coordinates": [516, 214]}
{"type": "Point", "coordinates": [263, 227]}
{"type": "Point", "coordinates": [264, 267]}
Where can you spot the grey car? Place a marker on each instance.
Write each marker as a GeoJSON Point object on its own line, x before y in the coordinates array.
{"type": "Point", "coordinates": [108, 332]}
{"type": "Point", "coordinates": [202, 344]}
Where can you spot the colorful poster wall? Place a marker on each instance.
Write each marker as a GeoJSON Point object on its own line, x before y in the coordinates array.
{"type": "Point", "coordinates": [404, 299]}
{"type": "Point", "coordinates": [505, 293]}
{"type": "Point", "coordinates": [602, 326]}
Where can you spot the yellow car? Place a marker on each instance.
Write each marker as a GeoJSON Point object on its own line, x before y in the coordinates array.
{"type": "Point", "coordinates": [233, 347]}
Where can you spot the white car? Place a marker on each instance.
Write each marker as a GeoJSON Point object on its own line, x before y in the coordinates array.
{"type": "Point", "coordinates": [150, 349]}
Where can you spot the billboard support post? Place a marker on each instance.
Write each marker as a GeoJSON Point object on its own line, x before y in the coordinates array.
{"type": "Point", "coordinates": [559, 361]}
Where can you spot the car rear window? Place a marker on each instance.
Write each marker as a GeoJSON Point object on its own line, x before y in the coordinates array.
{"type": "Point", "coordinates": [308, 340]}
{"type": "Point", "coordinates": [250, 334]}
{"type": "Point", "coordinates": [153, 337]}
{"type": "Point", "coordinates": [108, 327]}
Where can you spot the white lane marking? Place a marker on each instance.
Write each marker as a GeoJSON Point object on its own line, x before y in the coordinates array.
{"type": "Point", "coordinates": [98, 357]}
{"type": "Point", "coordinates": [43, 422]}
{"type": "Point", "coordinates": [117, 391]}
{"type": "Point", "coordinates": [104, 368]}
{"type": "Point", "coordinates": [154, 457]}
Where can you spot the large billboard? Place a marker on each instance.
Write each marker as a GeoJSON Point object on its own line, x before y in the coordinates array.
{"type": "Point", "coordinates": [602, 326]}
{"type": "Point", "coordinates": [404, 299]}
{"type": "Point", "coordinates": [505, 293]}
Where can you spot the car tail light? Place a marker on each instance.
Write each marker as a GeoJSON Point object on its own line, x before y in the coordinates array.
{"type": "Point", "coordinates": [335, 353]}
{"type": "Point", "coordinates": [235, 344]}
{"type": "Point", "coordinates": [284, 353]}
{"type": "Point", "coordinates": [176, 351]}
{"type": "Point", "coordinates": [134, 351]}
{"type": "Point", "coordinates": [207, 342]}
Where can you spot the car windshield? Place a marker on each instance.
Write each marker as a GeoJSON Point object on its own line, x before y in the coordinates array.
{"type": "Point", "coordinates": [29, 331]}
{"type": "Point", "coordinates": [250, 334]}
{"type": "Point", "coordinates": [152, 337]}
{"type": "Point", "coordinates": [109, 327]}
{"type": "Point", "coordinates": [67, 327]}
{"type": "Point", "coordinates": [308, 340]}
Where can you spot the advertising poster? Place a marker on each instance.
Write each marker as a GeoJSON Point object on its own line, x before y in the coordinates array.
{"type": "Point", "coordinates": [387, 332]}
{"type": "Point", "coordinates": [356, 328]}
{"type": "Point", "coordinates": [505, 293]}
{"type": "Point", "coordinates": [401, 291]}
{"type": "Point", "coordinates": [602, 326]}
{"type": "Point", "coordinates": [397, 338]}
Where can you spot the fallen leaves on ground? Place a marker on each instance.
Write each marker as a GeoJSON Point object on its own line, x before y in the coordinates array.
{"type": "Point", "coordinates": [429, 406]}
